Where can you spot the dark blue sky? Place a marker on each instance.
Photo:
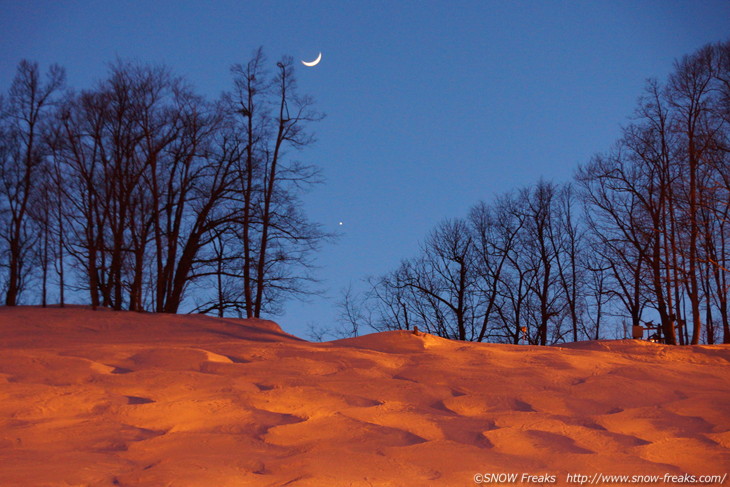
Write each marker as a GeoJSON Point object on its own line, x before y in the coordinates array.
{"type": "Point", "coordinates": [431, 106]}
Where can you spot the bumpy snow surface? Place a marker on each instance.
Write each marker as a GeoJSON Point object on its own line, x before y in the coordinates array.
{"type": "Point", "coordinates": [101, 398]}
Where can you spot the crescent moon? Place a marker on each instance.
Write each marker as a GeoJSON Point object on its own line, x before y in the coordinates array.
{"type": "Point", "coordinates": [313, 63]}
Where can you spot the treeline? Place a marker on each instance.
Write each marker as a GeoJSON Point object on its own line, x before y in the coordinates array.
{"type": "Point", "coordinates": [139, 189]}
{"type": "Point", "coordinates": [642, 234]}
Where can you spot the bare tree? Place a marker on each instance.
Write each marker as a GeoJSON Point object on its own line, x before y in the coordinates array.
{"type": "Point", "coordinates": [515, 284]}
{"type": "Point", "coordinates": [689, 88]}
{"type": "Point", "coordinates": [614, 222]}
{"type": "Point", "coordinates": [277, 239]}
{"type": "Point", "coordinates": [567, 243]}
{"type": "Point", "coordinates": [448, 275]}
{"type": "Point", "coordinates": [353, 314]}
{"type": "Point", "coordinates": [496, 229]}
{"type": "Point", "coordinates": [148, 184]}
{"type": "Point", "coordinates": [598, 293]}
{"type": "Point", "coordinates": [392, 300]}
{"type": "Point", "coordinates": [23, 153]}
{"type": "Point", "coordinates": [661, 195]}
{"type": "Point", "coordinates": [247, 105]}
{"type": "Point", "coordinates": [539, 205]}
{"type": "Point", "coordinates": [77, 149]}
{"type": "Point", "coordinates": [653, 236]}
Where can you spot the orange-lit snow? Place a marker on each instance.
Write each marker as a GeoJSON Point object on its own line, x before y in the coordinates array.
{"type": "Point", "coordinates": [101, 398]}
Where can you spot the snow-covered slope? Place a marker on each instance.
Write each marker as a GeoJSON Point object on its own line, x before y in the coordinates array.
{"type": "Point", "coordinates": [102, 398]}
